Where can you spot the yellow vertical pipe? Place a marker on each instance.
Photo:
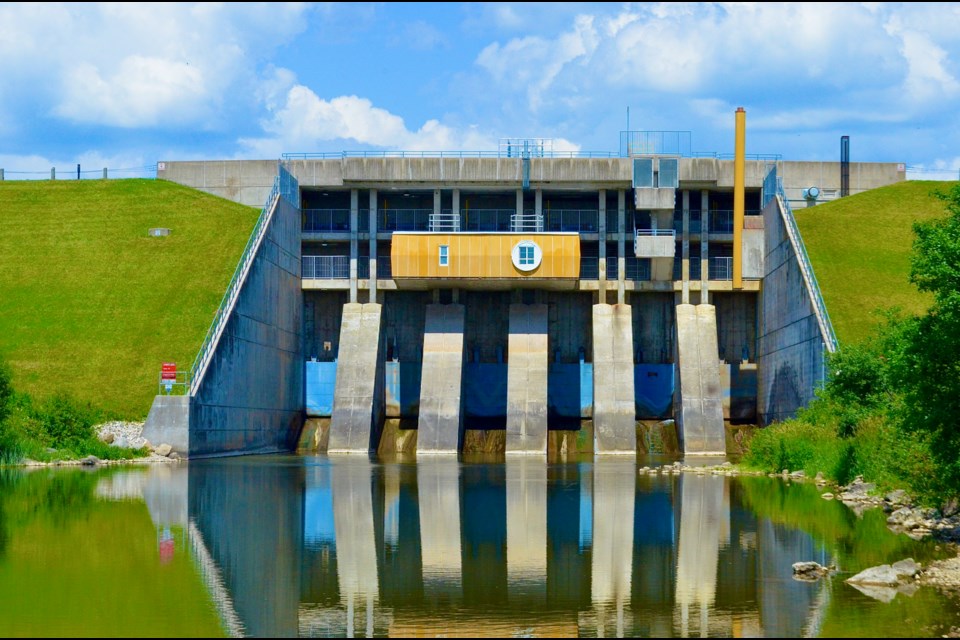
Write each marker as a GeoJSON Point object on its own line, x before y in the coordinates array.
{"type": "Point", "coordinates": [739, 169]}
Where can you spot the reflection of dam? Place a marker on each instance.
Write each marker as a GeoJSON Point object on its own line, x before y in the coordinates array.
{"type": "Point", "coordinates": [345, 547]}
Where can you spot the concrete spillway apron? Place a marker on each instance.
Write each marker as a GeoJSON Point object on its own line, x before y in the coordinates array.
{"type": "Point", "coordinates": [527, 363]}
{"type": "Point", "coordinates": [358, 398]}
{"type": "Point", "coordinates": [700, 414]}
{"type": "Point", "coordinates": [614, 404]}
{"type": "Point", "coordinates": [440, 425]}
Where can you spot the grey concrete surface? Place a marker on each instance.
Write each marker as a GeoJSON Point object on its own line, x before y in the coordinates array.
{"type": "Point", "coordinates": [250, 399]}
{"type": "Point", "coordinates": [700, 406]}
{"type": "Point", "coordinates": [440, 423]}
{"type": "Point", "coordinates": [169, 422]}
{"type": "Point", "coordinates": [791, 347]}
{"type": "Point", "coordinates": [527, 364]}
{"type": "Point", "coordinates": [614, 408]}
{"type": "Point", "coordinates": [358, 403]}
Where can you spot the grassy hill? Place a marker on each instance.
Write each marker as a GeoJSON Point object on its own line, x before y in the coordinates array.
{"type": "Point", "coordinates": [860, 248]}
{"type": "Point", "coordinates": [90, 304]}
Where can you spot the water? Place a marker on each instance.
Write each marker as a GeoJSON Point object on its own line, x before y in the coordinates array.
{"type": "Point", "coordinates": [288, 545]}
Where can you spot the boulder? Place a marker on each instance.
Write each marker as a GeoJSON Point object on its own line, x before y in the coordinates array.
{"type": "Point", "coordinates": [907, 569]}
{"type": "Point", "coordinates": [163, 450]}
{"type": "Point", "coordinates": [809, 570]}
{"type": "Point", "coordinates": [174, 455]}
{"type": "Point", "coordinates": [898, 497]}
{"type": "Point", "coordinates": [120, 441]}
{"type": "Point", "coordinates": [107, 437]}
{"type": "Point", "coordinates": [90, 461]}
{"type": "Point", "coordinates": [881, 576]}
{"type": "Point", "coordinates": [900, 516]}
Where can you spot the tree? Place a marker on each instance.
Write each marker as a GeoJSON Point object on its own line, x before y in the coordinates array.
{"type": "Point", "coordinates": [928, 367]}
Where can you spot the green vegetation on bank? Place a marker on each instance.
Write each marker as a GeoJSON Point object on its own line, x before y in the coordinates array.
{"type": "Point", "coordinates": [860, 250]}
{"type": "Point", "coordinates": [92, 305]}
{"type": "Point", "coordinates": [890, 409]}
{"type": "Point", "coordinates": [58, 428]}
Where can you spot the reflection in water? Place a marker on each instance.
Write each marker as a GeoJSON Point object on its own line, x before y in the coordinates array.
{"type": "Point", "coordinates": [350, 482]}
{"type": "Point", "coordinates": [438, 490]}
{"type": "Point", "coordinates": [526, 524]}
{"type": "Point", "coordinates": [614, 492]}
{"type": "Point", "coordinates": [316, 547]}
{"type": "Point", "coordinates": [704, 513]}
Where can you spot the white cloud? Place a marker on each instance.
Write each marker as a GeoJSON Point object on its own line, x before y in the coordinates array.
{"type": "Point", "coordinates": [137, 64]}
{"type": "Point", "coordinates": [306, 122]}
{"type": "Point", "coordinates": [534, 62]}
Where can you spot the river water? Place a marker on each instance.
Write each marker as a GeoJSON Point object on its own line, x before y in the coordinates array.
{"type": "Point", "coordinates": [313, 546]}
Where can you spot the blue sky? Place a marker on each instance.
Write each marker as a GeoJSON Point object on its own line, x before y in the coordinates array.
{"type": "Point", "coordinates": [124, 86]}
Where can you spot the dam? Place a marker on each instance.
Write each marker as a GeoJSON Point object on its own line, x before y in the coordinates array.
{"type": "Point", "coordinates": [516, 300]}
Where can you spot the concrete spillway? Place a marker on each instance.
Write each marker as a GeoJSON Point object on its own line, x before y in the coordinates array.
{"type": "Point", "coordinates": [614, 405]}
{"type": "Point", "coordinates": [440, 424]}
{"type": "Point", "coordinates": [527, 364]}
{"type": "Point", "coordinates": [358, 403]}
{"type": "Point", "coordinates": [700, 415]}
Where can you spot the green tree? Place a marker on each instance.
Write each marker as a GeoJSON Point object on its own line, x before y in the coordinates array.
{"type": "Point", "coordinates": [927, 368]}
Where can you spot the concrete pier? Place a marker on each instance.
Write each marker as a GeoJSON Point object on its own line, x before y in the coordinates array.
{"type": "Point", "coordinates": [614, 409]}
{"type": "Point", "coordinates": [358, 405]}
{"type": "Point", "coordinates": [700, 414]}
{"type": "Point", "coordinates": [527, 364]}
{"type": "Point", "coordinates": [440, 424]}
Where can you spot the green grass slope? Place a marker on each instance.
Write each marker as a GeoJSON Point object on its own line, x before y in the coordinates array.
{"type": "Point", "coordinates": [860, 249]}
{"type": "Point", "coordinates": [90, 304]}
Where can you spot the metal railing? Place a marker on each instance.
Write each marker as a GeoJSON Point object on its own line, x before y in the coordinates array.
{"type": "Point", "coordinates": [613, 268]}
{"type": "Point", "coordinates": [404, 219]}
{"type": "Point", "coordinates": [384, 270]}
{"type": "Point", "coordinates": [526, 223]}
{"type": "Point", "coordinates": [636, 269]}
{"type": "Point", "coordinates": [487, 219]}
{"type": "Point", "coordinates": [720, 268]}
{"type": "Point", "coordinates": [338, 155]}
{"type": "Point", "coordinates": [806, 268]}
{"type": "Point", "coordinates": [284, 185]}
{"type": "Point", "coordinates": [579, 220]}
{"type": "Point", "coordinates": [589, 268]}
{"type": "Point", "coordinates": [445, 221]}
{"type": "Point", "coordinates": [325, 267]}
{"type": "Point", "coordinates": [179, 386]}
{"type": "Point", "coordinates": [331, 220]}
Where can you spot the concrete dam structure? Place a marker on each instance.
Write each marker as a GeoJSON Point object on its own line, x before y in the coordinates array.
{"type": "Point", "coordinates": [436, 300]}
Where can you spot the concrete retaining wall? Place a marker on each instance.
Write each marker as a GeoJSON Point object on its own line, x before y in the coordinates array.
{"type": "Point", "coordinates": [251, 398]}
{"type": "Point", "coordinates": [245, 181]}
{"type": "Point", "coordinates": [791, 348]}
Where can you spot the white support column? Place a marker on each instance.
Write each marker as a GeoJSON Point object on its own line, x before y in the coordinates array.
{"type": "Point", "coordinates": [685, 256]}
{"type": "Point", "coordinates": [704, 247]}
{"type": "Point", "coordinates": [456, 208]}
{"type": "Point", "coordinates": [436, 204]}
{"type": "Point", "coordinates": [621, 245]}
{"type": "Point", "coordinates": [354, 246]}
{"type": "Point", "coordinates": [373, 245]}
{"type": "Point", "coordinates": [602, 246]}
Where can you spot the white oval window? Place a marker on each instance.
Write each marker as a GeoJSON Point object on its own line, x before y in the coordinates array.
{"type": "Point", "coordinates": [526, 255]}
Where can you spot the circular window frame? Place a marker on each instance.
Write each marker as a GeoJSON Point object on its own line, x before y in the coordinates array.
{"type": "Point", "coordinates": [537, 256]}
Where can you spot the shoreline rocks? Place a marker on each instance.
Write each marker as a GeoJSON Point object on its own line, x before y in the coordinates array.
{"type": "Point", "coordinates": [810, 571]}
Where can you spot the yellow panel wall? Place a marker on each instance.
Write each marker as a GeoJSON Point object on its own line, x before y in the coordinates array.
{"type": "Point", "coordinates": [482, 255]}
